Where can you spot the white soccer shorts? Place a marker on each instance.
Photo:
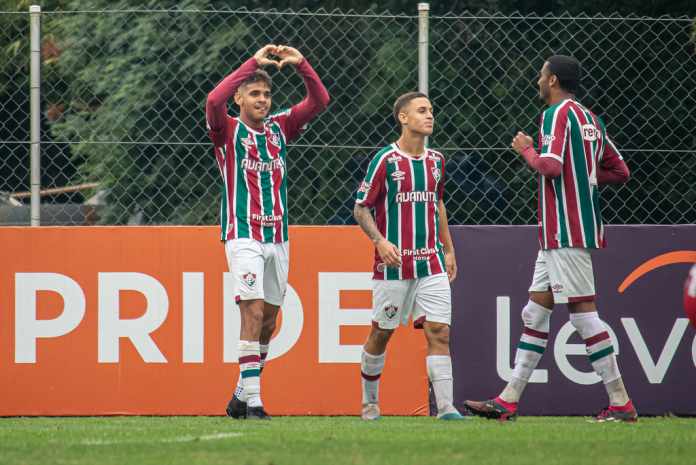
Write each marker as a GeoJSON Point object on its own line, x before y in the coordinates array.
{"type": "Point", "coordinates": [567, 273]}
{"type": "Point", "coordinates": [259, 270]}
{"type": "Point", "coordinates": [423, 299]}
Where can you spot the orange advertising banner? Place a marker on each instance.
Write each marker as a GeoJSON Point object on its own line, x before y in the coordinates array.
{"type": "Point", "coordinates": [141, 320]}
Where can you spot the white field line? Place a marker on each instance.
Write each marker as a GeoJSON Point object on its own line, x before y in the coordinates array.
{"type": "Point", "coordinates": [205, 437]}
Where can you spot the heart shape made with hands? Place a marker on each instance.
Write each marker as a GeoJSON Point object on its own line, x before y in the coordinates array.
{"type": "Point", "coordinates": [278, 56]}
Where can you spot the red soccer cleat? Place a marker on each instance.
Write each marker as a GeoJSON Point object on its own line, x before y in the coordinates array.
{"type": "Point", "coordinates": [625, 413]}
{"type": "Point", "coordinates": [493, 409]}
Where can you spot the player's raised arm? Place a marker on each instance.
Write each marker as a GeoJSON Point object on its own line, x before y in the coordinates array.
{"type": "Point", "coordinates": [546, 166]}
{"type": "Point", "coordinates": [612, 168]}
{"type": "Point", "coordinates": [216, 103]}
{"type": "Point", "coordinates": [317, 96]}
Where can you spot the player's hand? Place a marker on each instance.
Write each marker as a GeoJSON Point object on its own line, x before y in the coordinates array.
{"type": "Point", "coordinates": [521, 141]}
{"type": "Point", "coordinates": [262, 56]}
{"type": "Point", "coordinates": [288, 56]}
{"type": "Point", "coordinates": [451, 266]}
{"type": "Point", "coordinates": [389, 253]}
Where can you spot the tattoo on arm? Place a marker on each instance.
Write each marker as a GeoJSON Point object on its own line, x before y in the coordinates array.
{"type": "Point", "coordinates": [364, 218]}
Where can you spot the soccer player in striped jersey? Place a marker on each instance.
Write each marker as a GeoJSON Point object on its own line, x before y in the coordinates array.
{"type": "Point", "coordinates": [414, 255]}
{"type": "Point", "coordinates": [251, 154]}
{"type": "Point", "coordinates": [576, 155]}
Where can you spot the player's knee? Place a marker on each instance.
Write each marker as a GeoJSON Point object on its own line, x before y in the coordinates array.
{"type": "Point", "coordinates": [252, 312]}
{"type": "Point", "coordinates": [531, 318]}
{"type": "Point", "coordinates": [269, 326]}
{"type": "Point", "coordinates": [383, 336]}
{"type": "Point", "coordinates": [438, 333]}
{"type": "Point", "coordinates": [582, 307]}
{"type": "Point", "coordinates": [545, 299]}
{"type": "Point", "coordinates": [380, 337]}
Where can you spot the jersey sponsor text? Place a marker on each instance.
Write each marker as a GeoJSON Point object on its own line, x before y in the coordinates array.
{"type": "Point", "coordinates": [402, 197]}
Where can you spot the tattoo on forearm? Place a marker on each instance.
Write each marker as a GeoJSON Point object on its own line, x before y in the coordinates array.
{"type": "Point", "coordinates": [364, 218]}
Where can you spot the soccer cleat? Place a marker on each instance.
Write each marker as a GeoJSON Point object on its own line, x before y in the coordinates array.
{"type": "Point", "coordinates": [625, 413]}
{"type": "Point", "coordinates": [493, 409]}
{"type": "Point", "coordinates": [370, 412]}
{"type": "Point", "coordinates": [257, 413]}
{"type": "Point", "coordinates": [236, 408]}
{"type": "Point", "coordinates": [453, 416]}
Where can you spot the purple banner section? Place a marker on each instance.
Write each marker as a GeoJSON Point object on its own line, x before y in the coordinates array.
{"type": "Point", "coordinates": [656, 345]}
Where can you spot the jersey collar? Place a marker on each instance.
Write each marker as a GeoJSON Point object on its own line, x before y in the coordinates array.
{"type": "Point", "coordinates": [404, 154]}
{"type": "Point", "coordinates": [250, 129]}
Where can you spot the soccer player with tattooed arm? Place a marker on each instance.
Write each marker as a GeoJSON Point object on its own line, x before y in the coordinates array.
{"type": "Point", "coordinates": [575, 156]}
{"type": "Point", "coordinates": [414, 255]}
{"type": "Point", "coordinates": [251, 151]}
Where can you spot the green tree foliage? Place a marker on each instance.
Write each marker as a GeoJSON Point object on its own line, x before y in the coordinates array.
{"type": "Point", "coordinates": [14, 102]}
{"type": "Point", "coordinates": [144, 78]}
{"type": "Point", "coordinates": [622, 7]}
{"type": "Point", "coordinates": [14, 94]}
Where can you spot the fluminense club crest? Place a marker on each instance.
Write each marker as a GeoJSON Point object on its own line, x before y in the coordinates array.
{"type": "Point", "coordinates": [249, 278]}
{"type": "Point", "coordinates": [390, 311]}
{"type": "Point", "coordinates": [274, 138]}
{"type": "Point", "coordinates": [436, 173]}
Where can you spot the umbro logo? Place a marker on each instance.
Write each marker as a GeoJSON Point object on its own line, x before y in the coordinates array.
{"type": "Point", "coordinates": [248, 142]}
{"type": "Point", "coordinates": [398, 175]}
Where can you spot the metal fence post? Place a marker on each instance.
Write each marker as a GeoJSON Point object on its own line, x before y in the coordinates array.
{"type": "Point", "coordinates": [35, 111]}
{"type": "Point", "coordinates": [423, 13]}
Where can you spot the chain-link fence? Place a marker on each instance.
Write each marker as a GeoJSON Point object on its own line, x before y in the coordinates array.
{"type": "Point", "coordinates": [123, 125]}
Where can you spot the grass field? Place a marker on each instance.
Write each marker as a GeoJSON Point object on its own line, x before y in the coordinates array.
{"type": "Point", "coordinates": [343, 440]}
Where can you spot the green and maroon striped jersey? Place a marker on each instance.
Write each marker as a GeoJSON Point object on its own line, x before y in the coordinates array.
{"type": "Point", "coordinates": [405, 192]}
{"type": "Point", "coordinates": [569, 210]}
{"type": "Point", "coordinates": [252, 162]}
{"type": "Point", "coordinates": [253, 169]}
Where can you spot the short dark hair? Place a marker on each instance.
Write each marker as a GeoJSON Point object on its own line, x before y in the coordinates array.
{"type": "Point", "coordinates": [258, 76]}
{"type": "Point", "coordinates": [567, 69]}
{"type": "Point", "coordinates": [404, 100]}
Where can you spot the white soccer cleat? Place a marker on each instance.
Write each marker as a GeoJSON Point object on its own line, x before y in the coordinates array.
{"type": "Point", "coordinates": [370, 412]}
